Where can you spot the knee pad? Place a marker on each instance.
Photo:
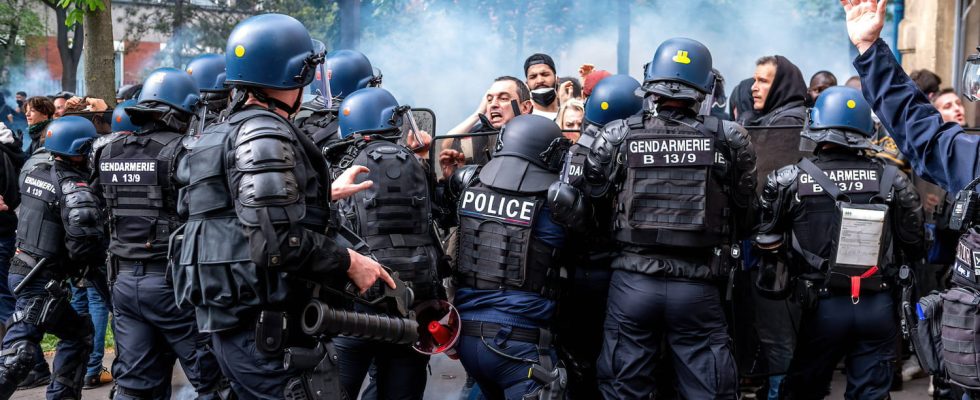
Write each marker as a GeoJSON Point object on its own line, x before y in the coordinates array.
{"type": "Point", "coordinates": [17, 362]}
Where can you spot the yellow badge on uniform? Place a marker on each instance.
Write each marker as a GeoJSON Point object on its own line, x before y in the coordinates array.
{"type": "Point", "coordinates": [681, 57]}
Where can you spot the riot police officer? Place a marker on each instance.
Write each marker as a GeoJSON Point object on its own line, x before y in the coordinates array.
{"type": "Point", "coordinates": [60, 234]}
{"type": "Point", "coordinates": [506, 273]}
{"type": "Point", "coordinates": [583, 304]}
{"type": "Point", "coordinates": [394, 217]}
{"type": "Point", "coordinates": [343, 73]}
{"type": "Point", "coordinates": [134, 174]}
{"type": "Point", "coordinates": [843, 222]}
{"type": "Point", "coordinates": [208, 71]}
{"type": "Point", "coordinates": [681, 189]}
{"type": "Point", "coordinates": [256, 202]}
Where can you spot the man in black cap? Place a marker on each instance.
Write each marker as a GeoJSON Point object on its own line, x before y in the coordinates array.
{"type": "Point", "coordinates": [542, 79]}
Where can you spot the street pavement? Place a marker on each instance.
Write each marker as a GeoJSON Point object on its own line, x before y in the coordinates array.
{"type": "Point", "coordinates": [445, 381]}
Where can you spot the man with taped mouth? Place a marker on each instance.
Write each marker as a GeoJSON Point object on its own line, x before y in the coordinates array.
{"type": "Point", "coordinates": [506, 98]}
{"type": "Point", "coordinates": [680, 189]}
{"type": "Point", "coordinates": [507, 262]}
{"type": "Point", "coordinates": [135, 173]}
{"type": "Point", "coordinates": [835, 229]}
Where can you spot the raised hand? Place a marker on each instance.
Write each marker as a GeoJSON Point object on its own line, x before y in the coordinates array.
{"type": "Point", "coordinates": [865, 18]}
{"type": "Point", "coordinates": [344, 186]}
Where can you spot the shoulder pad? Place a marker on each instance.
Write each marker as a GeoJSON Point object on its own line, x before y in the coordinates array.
{"type": "Point", "coordinates": [263, 126]}
{"type": "Point", "coordinates": [902, 181]}
{"type": "Point", "coordinates": [734, 134]}
{"type": "Point", "coordinates": [785, 176]}
{"type": "Point", "coordinates": [615, 132]}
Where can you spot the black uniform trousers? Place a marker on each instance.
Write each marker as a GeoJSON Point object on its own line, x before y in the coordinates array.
{"type": "Point", "coordinates": [646, 310]}
{"type": "Point", "coordinates": [151, 333]}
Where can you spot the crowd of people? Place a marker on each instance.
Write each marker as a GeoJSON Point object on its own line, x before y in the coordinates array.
{"type": "Point", "coordinates": [581, 237]}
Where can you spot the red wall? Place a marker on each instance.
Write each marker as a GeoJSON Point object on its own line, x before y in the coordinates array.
{"type": "Point", "coordinates": [138, 56]}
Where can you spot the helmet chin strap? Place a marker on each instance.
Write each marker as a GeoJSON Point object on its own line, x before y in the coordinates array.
{"type": "Point", "coordinates": [276, 104]}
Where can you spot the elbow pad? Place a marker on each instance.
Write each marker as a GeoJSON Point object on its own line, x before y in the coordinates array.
{"type": "Point", "coordinates": [601, 165]}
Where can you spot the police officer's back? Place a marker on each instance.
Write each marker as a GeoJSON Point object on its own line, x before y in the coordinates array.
{"type": "Point", "coordinates": [681, 188]}
{"type": "Point", "coordinates": [59, 234]}
{"type": "Point", "coordinates": [845, 222]}
{"type": "Point", "coordinates": [394, 217]}
{"type": "Point", "coordinates": [506, 271]}
{"type": "Point", "coordinates": [135, 173]}
{"type": "Point", "coordinates": [256, 202]}
{"type": "Point", "coordinates": [582, 309]}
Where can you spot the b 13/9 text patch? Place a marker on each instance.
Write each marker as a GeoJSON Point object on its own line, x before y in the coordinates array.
{"type": "Point", "coordinates": [847, 180]}
{"type": "Point", "coordinates": [670, 152]}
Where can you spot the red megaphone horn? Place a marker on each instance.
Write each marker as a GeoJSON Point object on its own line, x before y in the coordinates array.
{"type": "Point", "coordinates": [439, 328]}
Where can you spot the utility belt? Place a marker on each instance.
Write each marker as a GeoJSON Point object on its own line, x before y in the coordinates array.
{"type": "Point", "coordinates": [811, 287]}
{"type": "Point", "coordinates": [488, 329]}
{"type": "Point", "coordinates": [553, 378]}
{"type": "Point", "coordinates": [141, 267]}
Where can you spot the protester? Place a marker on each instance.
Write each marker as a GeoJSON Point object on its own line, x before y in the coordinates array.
{"type": "Point", "coordinates": [542, 79]}
{"type": "Point", "coordinates": [60, 100]}
{"type": "Point", "coordinates": [948, 102]}
{"type": "Point", "coordinates": [927, 81]}
{"type": "Point", "coordinates": [572, 85]}
{"type": "Point", "coordinates": [570, 118]}
{"type": "Point", "coordinates": [819, 82]}
{"type": "Point", "coordinates": [591, 79]}
{"type": "Point", "coordinates": [40, 110]}
{"type": "Point", "coordinates": [778, 93]}
{"type": "Point", "coordinates": [740, 102]}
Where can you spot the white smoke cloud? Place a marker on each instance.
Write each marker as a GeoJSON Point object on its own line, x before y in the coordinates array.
{"type": "Point", "coordinates": [448, 59]}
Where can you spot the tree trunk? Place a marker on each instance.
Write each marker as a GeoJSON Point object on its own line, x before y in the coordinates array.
{"type": "Point", "coordinates": [100, 66]}
{"type": "Point", "coordinates": [350, 24]}
{"type": "Point", "coordinates": [69, 55]}
{"type": "Point", "coordinates": [623, 45]}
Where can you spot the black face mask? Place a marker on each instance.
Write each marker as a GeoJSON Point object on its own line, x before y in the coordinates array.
{"type": "Point", "coordinates": [544, 96]}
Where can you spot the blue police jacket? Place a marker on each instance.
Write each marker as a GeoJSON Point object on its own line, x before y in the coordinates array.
{"type": "Point", "coordinates": [940, 152]}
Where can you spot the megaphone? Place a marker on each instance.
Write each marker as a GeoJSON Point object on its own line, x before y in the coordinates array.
{"type": "Point", "coordinates": [439, 328]}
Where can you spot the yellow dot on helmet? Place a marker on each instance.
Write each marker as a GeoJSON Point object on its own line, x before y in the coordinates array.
{"type": "Point", "coordinates": [851, 104]}
{"type": "Point", "coordinates": [190, 71]}
{"type": "Point", "coordinates": [240, 51]}
{"type": "Point", "coordinates": [604, 105]}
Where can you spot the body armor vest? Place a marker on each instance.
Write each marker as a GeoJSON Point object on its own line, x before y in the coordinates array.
{"type": "Point", "coordinates": [136, 175]}
{"type": "Point", "coordinates": [860, 186]}
{"type": "Point", "coordinates": [394, 215]}
{"type": "Point", "coordinates": [674, 194]}
{"type": "Point", "coordinates": [212, 263]}
{"type": "Point", "coordinates": [497, 248]}
{"type": "Point", "coordinates": [42, 231]}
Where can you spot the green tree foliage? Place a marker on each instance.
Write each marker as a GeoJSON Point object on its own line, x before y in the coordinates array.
{"type": "Point", "coordinates": [17, 22]}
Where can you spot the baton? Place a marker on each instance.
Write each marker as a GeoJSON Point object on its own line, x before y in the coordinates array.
{"type": "Point", "coordinates": [30, 275]}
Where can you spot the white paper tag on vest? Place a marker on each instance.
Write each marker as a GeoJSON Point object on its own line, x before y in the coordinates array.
{"type": "Point", "coordinates": [860, 236]}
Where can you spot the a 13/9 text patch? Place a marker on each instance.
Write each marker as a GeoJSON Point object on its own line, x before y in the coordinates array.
{"type": "Point", "coordinates": [485, 204]}
{"type": "Point", "coordinates": [847, 180]}
{"type": "Point", "coordinates": [681, 151]}
{"type": "Point", "coordinates": [128, 172]}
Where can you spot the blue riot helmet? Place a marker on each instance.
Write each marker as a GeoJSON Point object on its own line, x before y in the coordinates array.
{"type": "Point", "coordinates": [348, 71]}
{"type": "Point", "coordinates": [842, 116]}
{"type": "Point", "coordinates": [613, 98]}
{"type": "Point", "coordinates": [208, 70]}
{"type": "Point", "coordinates": [172, 87]}
{"type": "Point", "coordinates": [129, 92]}
{"type": "Point", "coordinates": [120, 118]}
{"type": "Point", "coordinates": [369, 110]}
{"type": "Point", "coordinates": [69, 136]}
{"type": "Point", "coordinates": [271, 51]}
{"type": "Point", "coordinates": [680, 69]}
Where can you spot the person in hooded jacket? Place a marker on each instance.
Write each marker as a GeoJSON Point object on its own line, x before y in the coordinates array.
{"type": "Point", "coordinates": [740, 102]}
{"type": "Point", "coordinates": [778, 93]}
